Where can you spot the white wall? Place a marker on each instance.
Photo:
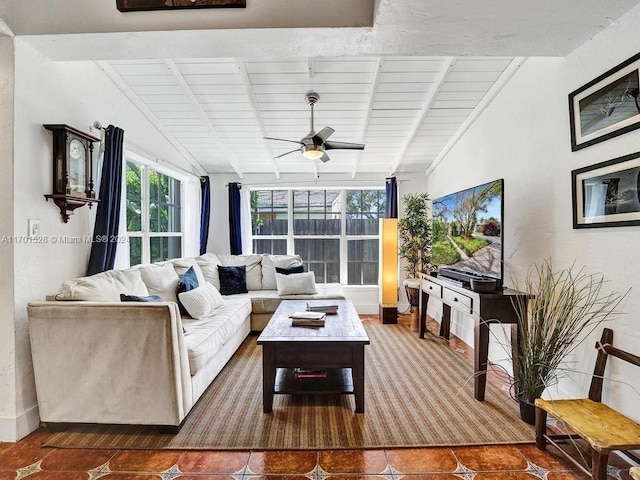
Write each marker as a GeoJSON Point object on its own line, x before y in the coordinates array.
{"type": "Point", "coordinates": [46, 92]}
{"type": "Point", "coordinates": [7, 336]}
{"type": "Point", "coordinates": [524, 137]}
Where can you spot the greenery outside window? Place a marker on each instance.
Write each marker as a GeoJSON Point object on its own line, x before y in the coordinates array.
{"type": "Point", "coordinates": [154, 215]}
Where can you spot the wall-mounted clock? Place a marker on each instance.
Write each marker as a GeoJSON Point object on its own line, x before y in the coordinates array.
{"type": "Point", "coordinates": [72, 169]}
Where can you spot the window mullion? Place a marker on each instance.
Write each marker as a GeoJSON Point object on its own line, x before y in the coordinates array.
{"type": "Point", "coordinates": [146, 241]}
{"type": "Point", "coordinates": [343, 239]}
{"type": "Point", "coordinates": [290, 240]}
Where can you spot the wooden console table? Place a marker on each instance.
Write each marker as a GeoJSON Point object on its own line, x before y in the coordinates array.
{"type": "Point", "coordinates": [483, 308]}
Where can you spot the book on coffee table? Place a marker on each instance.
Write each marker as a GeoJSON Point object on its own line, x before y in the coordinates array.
{"type": "Point", "coordinates": [328, 309]}
{"type": "Point", "coordinates": [309, 373]}
{"type": "Point", "coordinates": [307, 319]}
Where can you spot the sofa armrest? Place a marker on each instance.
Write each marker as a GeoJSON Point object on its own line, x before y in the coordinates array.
{"type": "Point", "coordinates": [103, 362]}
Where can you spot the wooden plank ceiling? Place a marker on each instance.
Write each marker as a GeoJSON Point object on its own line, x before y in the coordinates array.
{"type": "Point", "coordinates": [407, 110]}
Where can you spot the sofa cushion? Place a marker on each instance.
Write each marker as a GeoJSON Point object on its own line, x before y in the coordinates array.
{"type": "Point", "coordinates": [266, 302]}
{"type": "Point", "coordinates": [207, 336]}
{"type": "Point", "coordinates": [269, 264]}
{"type": "Point", "coordinates": [104, 287]}
{"type": "Point", "coordinates": [181, 265]}
{"type": "Point", "coordinates": [296, 283]}
{"type": "Point", "coordinates": [161, 280]}
{"type": "Point", "coordinates": [253, 266]}
{"type": "Point", "coordinates": [188, 281]}
{"type": "Point", "coordinates": [233, 279]}
{"type": "Point", "coordinates": [201, 301]}
{"type": "Point", "coordinates": [209, 265]}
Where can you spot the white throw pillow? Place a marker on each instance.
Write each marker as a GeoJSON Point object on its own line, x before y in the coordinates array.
{"type": "Point", "coordinates": [296, 283]}
{"type": "Point", "coordinates": [161, 280]}
{"type": "Point", "coordinates": [95, 288]}
{"type": "Point", "coordinates": [269, 264]}
{"type": "Point", "coordinates": [201, 301]}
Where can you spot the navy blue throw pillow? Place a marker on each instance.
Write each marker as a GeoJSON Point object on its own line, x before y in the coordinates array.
{"type": "Point", "coordinates": [138, 298]}
{"type": "Point", "coordinates": [233, 279]}
{"type": "Point", "coordinates": [290, 270]}
{"type": "Point", "coordinates": [188, 281]}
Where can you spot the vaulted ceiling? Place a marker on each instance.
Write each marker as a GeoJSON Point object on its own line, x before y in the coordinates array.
{"type": "Point", "coordinates": [404, 77]}
{"type": "Point", "coordinates": [404, 109]}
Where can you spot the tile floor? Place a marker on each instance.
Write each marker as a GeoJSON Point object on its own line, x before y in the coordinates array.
{"type": "Point", "coordinates": [27, 459]}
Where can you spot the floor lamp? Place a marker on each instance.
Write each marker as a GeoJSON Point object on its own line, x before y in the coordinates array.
{"type": "Point", "coordinates": [389, 270]}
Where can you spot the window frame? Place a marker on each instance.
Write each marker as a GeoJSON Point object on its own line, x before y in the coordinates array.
{"type": "Point", "coordinates": [145, 232]}
{"type": "Point", "coordinates": [343, 237]}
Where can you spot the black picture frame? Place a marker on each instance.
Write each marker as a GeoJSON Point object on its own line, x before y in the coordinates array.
{"type": "Point", "coordinates": [607, 106]}
{"type": "Point", "coordinates": [607, 194]}
{"type": "Point", "coordinates": [148, 5]}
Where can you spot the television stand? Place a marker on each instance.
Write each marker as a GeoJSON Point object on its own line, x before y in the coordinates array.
{"type": "Point", "coordinates": [483, 308]}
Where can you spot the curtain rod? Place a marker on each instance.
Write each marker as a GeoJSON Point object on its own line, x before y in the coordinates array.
{"type": "Point", "coordinates": [153, 157]}
{"type": "Point", "coordinates": [328, 182]}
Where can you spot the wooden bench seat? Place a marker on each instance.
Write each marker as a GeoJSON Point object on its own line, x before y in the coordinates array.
{"type": "Point", "coordinates": [603, 428]}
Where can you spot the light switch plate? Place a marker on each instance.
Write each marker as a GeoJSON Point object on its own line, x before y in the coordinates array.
{"type": "Point", "coordinates": [34, 227]}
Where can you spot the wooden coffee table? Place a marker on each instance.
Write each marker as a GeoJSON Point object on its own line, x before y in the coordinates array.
{"type": "Point", "coordinates": [337, 348]}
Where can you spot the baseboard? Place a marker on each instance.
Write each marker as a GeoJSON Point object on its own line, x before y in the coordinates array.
{"type": "Point", "coordinates": [13, 429]}
{"type": "Point", "coordinates": [366, 308]}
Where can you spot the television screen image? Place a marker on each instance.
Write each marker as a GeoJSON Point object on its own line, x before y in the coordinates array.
{"type": "Point", "coordinates": [467, 230]}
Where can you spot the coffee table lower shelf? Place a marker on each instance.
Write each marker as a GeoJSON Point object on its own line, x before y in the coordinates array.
{"type": "Point", "coordinates": [337, 381]}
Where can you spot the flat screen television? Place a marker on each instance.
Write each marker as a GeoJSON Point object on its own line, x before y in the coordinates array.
{"type": "Point", "coordinates": [467, 232]}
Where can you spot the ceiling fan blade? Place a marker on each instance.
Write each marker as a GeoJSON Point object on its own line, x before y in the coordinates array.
{"type": "Point", "coordinates": [282, 140]}
{"type": "Point", "coordinates": [282, 155]}
{"type": "Point", "coordinates": [321, 137]}
{"type": "Point", "coordinates": [325, 158]}
{"type": "Point", "coordinates": [343, 146]}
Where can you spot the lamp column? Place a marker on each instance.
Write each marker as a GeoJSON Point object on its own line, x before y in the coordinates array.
{"type": "Point", "coordinates": [389, 270]}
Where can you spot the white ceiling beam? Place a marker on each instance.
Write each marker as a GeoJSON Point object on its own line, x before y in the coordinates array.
{"type": "Point", "coordinates": [228, 156]}
{"type": "Point", "coordinates": [372, 97]}
{"type": "Point", "coordinates": [111, 73]}
{"type": "Point", "coordinates": [499, 84]}
{"type": "Point", "coordinates": [440, 79]}
{"type": "Point", "coordinates": [256, 111]}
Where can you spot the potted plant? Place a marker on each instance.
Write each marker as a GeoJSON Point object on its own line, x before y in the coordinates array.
{"type": "Point", "coordinates": [414, 228]}
{"type": "Point", "coordinates": [564, 307]}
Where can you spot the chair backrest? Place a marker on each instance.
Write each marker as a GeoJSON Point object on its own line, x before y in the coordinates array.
{"type": "Point", "coordinates": [605, 348]}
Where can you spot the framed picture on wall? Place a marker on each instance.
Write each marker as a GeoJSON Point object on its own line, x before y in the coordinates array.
{"type": "Point", "coordinates": [607, 194]}
{"type": "Point", "coordinates": [145, 5]}
{"type": "Point", "coordinates": [607, 106]}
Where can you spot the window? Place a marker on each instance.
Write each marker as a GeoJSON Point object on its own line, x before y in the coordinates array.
{"type": "Point", "coordinates": [364, 210]}
{"type": "Point", "coordinates": [269, 221]}
{"type": "Point", "coordinates": [154, 215]}
{"type": "Point", "coordinates": [338, 239]}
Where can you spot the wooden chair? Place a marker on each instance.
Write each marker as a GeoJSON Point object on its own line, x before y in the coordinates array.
{"type": "Point", "coordinates": [603, 428]}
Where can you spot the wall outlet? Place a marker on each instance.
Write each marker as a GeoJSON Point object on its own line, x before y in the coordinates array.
{"type": "Point", "coordinates": [34, 227]}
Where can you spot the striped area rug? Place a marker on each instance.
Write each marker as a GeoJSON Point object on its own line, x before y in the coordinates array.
{"type": "Point", "coordinates": [418, 393]}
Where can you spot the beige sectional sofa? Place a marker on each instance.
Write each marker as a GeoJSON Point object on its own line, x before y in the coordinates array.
{"type": "Point", "coordinates": [99, 360]}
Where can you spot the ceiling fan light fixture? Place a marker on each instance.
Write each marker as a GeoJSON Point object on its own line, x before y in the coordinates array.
{"type": "Point", "coordinates": [312, 152]}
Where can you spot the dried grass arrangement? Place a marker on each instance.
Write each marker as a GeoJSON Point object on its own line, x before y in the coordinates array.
{"type": "Point", "coordinates": [569, 304]}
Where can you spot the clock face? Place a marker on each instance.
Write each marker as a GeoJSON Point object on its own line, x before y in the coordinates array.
{"type": "Point", "coordinates": [76, 149]}
{"type": "Point", "coordinates": [77, 167]}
